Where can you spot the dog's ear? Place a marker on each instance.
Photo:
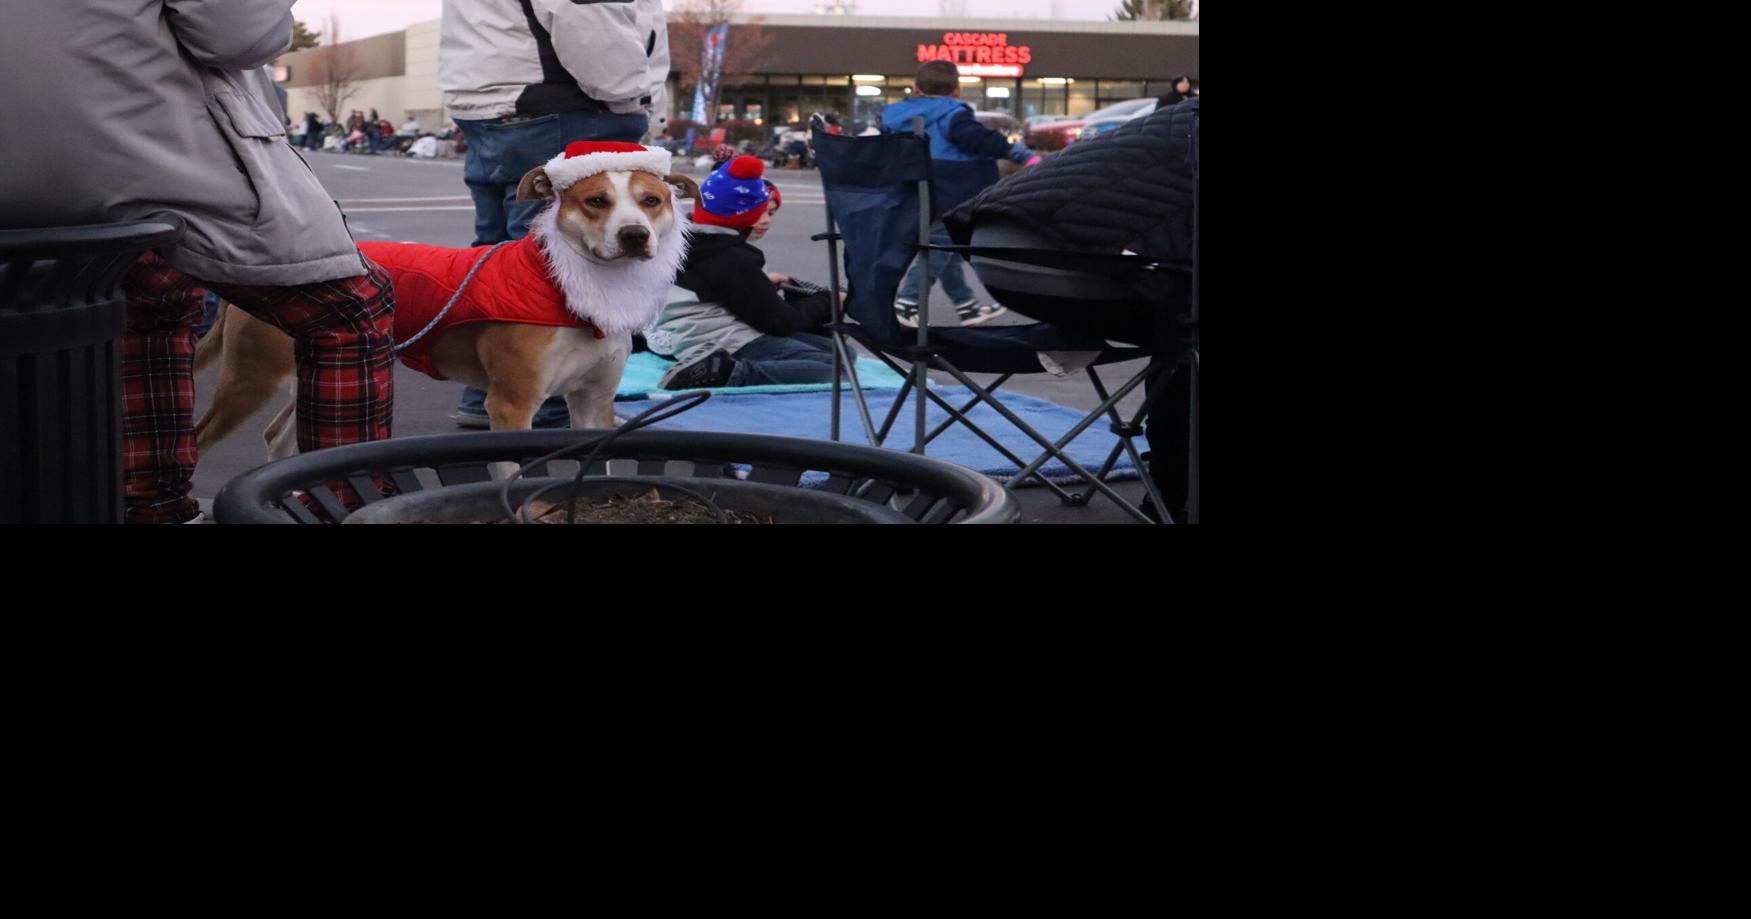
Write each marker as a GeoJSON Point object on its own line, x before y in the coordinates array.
{"type": "Point", "coordinates": [687, 187]}
{"type": "Point", "coordinates": [535, 186]}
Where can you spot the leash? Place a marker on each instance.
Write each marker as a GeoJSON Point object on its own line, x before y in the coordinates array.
{"type": "Point", "coordinates": [453, 297]}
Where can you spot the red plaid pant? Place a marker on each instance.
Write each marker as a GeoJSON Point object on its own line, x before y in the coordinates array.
{"type": "Point", "coordinates": [342, 333]}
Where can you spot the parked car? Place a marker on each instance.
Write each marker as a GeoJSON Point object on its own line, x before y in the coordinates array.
{"type": "Point", "coordinates": [1094, 127]}
{"type": "Point", "coordinates": [1060, 134]}
{"type": "Point", "coordinates": [1001, 122]}
{"type": "Point", "coordinates": [1034, 121]}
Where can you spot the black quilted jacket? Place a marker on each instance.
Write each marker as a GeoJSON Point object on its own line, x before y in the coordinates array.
{"type": "Point", "coordinates": [1129, 189]}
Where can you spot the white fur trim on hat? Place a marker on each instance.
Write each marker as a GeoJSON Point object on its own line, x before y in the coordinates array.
{"type": "Point", "coordinates": [562, 172]}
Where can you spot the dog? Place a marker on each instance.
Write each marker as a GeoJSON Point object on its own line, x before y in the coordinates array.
{"type": "Point", "coordinates": [550, 314]}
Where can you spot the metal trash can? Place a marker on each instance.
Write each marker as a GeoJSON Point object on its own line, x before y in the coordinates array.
{"type": "Point", "coordinates": [61, 315]}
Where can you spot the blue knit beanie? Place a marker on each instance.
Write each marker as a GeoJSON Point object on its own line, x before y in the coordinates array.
{"type": "Point", "coordinates": [733, 195]}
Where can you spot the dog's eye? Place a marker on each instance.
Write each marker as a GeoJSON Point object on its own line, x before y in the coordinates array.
{"type": "Point", "coordinates": [597, 201]}
{"type": "Point", "coordinates": [652, 201]}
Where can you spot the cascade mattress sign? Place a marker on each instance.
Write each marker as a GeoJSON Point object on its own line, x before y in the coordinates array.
{"type": "Point", "coordinates": [979, 54]}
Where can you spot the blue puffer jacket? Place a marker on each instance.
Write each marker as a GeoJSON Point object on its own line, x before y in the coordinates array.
{"type": "Point", "coordinates": [963, 153]}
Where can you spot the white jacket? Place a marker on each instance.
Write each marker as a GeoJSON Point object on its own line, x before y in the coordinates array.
{"type": "Point", "coordinates": [535, 57]}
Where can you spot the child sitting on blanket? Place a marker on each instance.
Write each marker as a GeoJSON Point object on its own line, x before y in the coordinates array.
{"type": "Point", "coordinates": [729, 322]}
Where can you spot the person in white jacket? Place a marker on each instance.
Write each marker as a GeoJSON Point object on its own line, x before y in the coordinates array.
{"type": "Point", "coordinates": [525, 78]}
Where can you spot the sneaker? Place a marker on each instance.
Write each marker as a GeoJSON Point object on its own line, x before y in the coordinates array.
{"type": "Point", "coordinates": [972, 312]}
{"type": "Point", "coordinates": [702, 367]}
{"type": "Point", "coordinates": [907, 312]}
{"type": "Point", "coordinates": [552, 415]}
{"type": "Point", "coordinates": [467, 417]}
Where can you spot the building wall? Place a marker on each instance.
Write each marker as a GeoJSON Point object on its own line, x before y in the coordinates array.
{"type": "Point", "coordinates": [372, 58]}
{"type": "Point", "coordinates": [392, 97]}
{"type": "Point", "coordinates": [399, 73]}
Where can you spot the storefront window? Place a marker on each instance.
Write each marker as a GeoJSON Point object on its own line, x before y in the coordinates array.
{"type": "Point", "coordinates": [1081, 100]}
{"type": "Point", "coordinates": [1039, 98]}
{"type": "Point", "coordinates": [995, 95]}
{"type": "Point", "coordinates": [1111, 91]}
{"type": "Point", "coordinates": [869, 97]}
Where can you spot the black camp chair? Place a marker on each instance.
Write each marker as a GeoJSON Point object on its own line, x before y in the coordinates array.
{"type": "Point", "coordinates": [879, 206]}
{"type": "Point", "coordinates": [1159, 307]}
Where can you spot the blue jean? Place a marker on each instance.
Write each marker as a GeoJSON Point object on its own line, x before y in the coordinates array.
{"type": "Point", "coordinates": [800, 358]}
{"type": "Point", "coordinates": [499, 155]}
{"type": "Point", "coordinates": [209, 313]}
{"type": "Point", "coordinates": [944, 267]}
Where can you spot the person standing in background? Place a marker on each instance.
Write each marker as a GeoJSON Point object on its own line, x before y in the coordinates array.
{"type": "Point", "coordinates": [523, 80]}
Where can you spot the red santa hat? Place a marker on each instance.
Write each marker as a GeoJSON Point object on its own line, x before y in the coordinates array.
{"type": "Point", "coordinates": [585, 158]}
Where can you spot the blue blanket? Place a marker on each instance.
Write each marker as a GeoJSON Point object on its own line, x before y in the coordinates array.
{"type": "Point", "coordinates": [644, 370]}
{"type": "Point", "coordinates": [808, 415]}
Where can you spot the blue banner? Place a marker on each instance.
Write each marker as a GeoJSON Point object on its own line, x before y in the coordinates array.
{"type": "Point", "coordinates": [711, 64]}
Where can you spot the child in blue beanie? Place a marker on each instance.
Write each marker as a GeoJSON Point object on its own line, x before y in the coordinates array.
{"type": "Point", "coordinates": [728, 322]}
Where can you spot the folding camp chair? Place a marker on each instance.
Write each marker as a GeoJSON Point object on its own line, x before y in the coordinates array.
{"type": "Point", "coordinates": [879, 206]}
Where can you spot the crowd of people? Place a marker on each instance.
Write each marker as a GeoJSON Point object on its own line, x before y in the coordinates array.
{"type": "Point", "coordinates": [372, 134]}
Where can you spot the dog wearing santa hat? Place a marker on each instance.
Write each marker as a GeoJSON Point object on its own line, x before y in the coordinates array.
{"type": "Point", "coordinates": [552, 313]}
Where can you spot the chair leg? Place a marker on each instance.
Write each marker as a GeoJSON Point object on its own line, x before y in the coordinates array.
{"type": "Point", "coordinates": [965, 408]}
{"type": "Point", "coordinates": [894, 411]}
{"type": "Point", "coordinates": [1127, 442]}
{"type": "Point", "coordinates": [847, 357]}
{"type": "Point", "coordinates": [992, 442]}
{"type": "Point", "coordinates": [1054, 450]}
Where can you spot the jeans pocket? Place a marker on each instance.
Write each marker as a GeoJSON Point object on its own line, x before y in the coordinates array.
{"type": "Point", "coordinates": [520, 146]}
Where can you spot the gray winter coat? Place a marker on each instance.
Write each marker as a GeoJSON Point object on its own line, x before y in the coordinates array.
{"type": "Point", "coordinates": [128, 109]}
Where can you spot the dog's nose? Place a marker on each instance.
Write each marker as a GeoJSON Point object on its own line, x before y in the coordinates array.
{"type": "Point", "coordinates": [634, 237]}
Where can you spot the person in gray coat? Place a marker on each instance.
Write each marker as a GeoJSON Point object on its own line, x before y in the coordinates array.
{"type": "Point", "coordinates": [123, 110]}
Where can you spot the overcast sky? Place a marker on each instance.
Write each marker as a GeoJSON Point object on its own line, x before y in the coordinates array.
{"type": "Point", "coordinates": [361, 18]}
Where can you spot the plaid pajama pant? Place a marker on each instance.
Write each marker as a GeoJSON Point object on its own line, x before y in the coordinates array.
{"type": "Point", "coordinates": [342, 329]}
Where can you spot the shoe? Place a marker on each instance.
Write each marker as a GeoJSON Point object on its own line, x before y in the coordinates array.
{"type": "Point", "coordinates": [702, 367]}
{"type": "Point", "coordinates": [907, 312]}
{"type": "Point", "coordinates": [972, 312]}
{"type": "Point", "coordinates": [546, 418]}
{"type": "Point", "coordinates": [471, 418]}
{"type": "Point", "coordinates": [553, 415]}
{"type": "Point", "coordinates": [1154, 513]}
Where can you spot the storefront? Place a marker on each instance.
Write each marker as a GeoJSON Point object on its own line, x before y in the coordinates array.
{"type": "Point", "coordinates": [854, 66]}
{"type": "Point", "coordinates": [850, 66]}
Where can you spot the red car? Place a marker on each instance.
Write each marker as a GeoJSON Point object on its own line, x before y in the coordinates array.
{"type": "Point", "coordinates": [1057, 135]}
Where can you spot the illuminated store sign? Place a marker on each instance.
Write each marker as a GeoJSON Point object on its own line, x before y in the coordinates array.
{"type": "Point", "coordinates": [979, 54]}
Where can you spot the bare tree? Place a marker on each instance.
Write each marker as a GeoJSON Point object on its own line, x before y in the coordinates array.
{"type": "Point", "coordinates": [1131, 10]}
{"type": "Point", "coordinates": [334, 72]}
{"type": "Point", "coordinates": [744, 48]}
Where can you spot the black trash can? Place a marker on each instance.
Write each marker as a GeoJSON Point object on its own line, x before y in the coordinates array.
{"type": "Point", "coordinates": [61, 315]}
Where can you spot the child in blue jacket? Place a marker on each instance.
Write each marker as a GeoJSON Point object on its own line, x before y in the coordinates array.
{"type": "Point", "coordinates": [964, 157]}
